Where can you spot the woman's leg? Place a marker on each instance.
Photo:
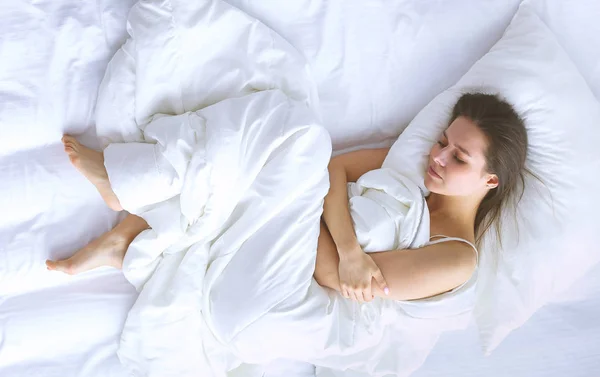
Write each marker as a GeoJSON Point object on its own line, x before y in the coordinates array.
{"type": "Point", "coordinates": [328, 260]}
{"type": "Point", "coordinates": [91, 164]}
{"type": "Point", "coordinates": [107, 250]}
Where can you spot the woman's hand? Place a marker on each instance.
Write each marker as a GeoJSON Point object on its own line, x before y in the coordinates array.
{"type": "Point", "coordinates": [357, 269]}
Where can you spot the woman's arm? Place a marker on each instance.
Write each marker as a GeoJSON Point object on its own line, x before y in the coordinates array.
{"type": "Point", "coordinates": [346, 168]}
{"type": "Point", "coordinates": [328, 260]}
{"type": "Point", "coordinates": [418, 273]}
{"type": "Point", "coordinates": [355, 267]}
{"type": "Point", "coordinates": [411, 274]}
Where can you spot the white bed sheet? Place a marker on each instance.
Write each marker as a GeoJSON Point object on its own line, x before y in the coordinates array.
{"type": "Point", "coordinates": [377, 63]}
{"type": "Point", "coordinates": [561, 339]}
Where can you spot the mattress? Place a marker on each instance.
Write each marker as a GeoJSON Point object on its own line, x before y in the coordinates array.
{"type": "Point", "coordinates": [377, 63]}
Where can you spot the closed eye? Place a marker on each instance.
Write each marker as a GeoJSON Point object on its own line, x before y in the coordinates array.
{"type": "Point", "coordinates": [443, 145]}
{"type": "Point", "coordinates": [459, 160]}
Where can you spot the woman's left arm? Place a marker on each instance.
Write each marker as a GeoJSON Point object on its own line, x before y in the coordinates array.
{"type": "Point", "coordinates": [410, 273]}
{"type": "Point", "coordinates": [419, 273]}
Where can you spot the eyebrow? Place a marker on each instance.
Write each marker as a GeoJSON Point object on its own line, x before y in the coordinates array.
{"type": "Point", "coordinates": [458, 146]}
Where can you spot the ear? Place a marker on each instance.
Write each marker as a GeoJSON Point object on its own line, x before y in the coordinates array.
{"type": "Point", "coordinates": [492, 181]}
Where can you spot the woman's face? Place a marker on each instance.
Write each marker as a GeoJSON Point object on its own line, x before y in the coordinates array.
{"type": "Point", "coordinates": [457, 161]}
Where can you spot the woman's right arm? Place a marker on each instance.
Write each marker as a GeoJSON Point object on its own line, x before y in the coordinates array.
{"type": "Point", "coordinates": [354, 263]}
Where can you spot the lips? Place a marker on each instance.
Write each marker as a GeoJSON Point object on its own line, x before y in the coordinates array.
{"type": "Point", "coordinates": [433, 173]}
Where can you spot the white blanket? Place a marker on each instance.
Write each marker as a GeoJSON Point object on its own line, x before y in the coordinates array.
{"type": "Point", "coordinates": [233, 192]}
{"type": "Point", "coordinates": [234, 195]}
{"type": "Point", "coordinates": [216, 143]}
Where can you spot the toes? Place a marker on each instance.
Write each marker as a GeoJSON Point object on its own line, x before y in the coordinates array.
{"type": "Point", "coordinates": [71, 147]}
{"type": "Point", "coordinates": [51, 265]}
{"type": "Point", "coordinates": [71, 144]}
{"type": "Point", "coordinates": [65, 266]}
{"type": "Point", "coordinates": [68, 139]}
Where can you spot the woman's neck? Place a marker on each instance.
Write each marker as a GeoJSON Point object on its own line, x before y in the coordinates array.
{"type": "Point", "coordinates": [460, 210]}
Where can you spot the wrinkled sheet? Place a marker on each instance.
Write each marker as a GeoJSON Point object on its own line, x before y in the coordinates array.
{"type": "Point", "coordinates": [372, 81]}
{"type": "Point", "coordinates": [233, 192]}
{"type": "Point", "coordinates": [234, 195]}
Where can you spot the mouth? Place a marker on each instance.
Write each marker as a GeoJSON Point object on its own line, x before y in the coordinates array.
{"type": "Point", "coordinates": [432, 173]}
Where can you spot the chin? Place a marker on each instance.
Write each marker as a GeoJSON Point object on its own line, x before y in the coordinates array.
{"type": "Point", "coordinates": [432, 186]}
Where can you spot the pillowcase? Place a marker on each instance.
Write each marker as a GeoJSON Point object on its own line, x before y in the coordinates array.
{"type": "Point", "coordinates": [576, 27]}
{"type": "Point", "coordinates": [548, 239]}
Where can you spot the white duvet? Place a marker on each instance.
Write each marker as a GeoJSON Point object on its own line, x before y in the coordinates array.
{"type": "Point", "coordinates": [234, 195]}
{"type": "Point", "coordinates": [215, 141]}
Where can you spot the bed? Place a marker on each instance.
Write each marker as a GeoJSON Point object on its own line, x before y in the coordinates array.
{"type": "Point", "coordinates": [377, 63]}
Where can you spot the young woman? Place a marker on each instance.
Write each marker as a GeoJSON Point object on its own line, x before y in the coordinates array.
{"type": "Point", "coordinates": [473, 169]}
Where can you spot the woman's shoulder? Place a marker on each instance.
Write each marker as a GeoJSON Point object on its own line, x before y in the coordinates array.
{"type": "Point", "coordinates": [448, 229]}
{"type": "Point", "coordinates": [450, 235]}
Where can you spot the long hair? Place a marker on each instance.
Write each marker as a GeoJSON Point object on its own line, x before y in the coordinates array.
{"type": "Point", "coordinates": [505, 155]}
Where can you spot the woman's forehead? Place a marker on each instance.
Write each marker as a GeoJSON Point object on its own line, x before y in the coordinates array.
{"type": "Point", "coordinates": [464, 133]}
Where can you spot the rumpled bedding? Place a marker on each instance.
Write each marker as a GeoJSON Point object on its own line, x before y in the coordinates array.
{"type": "Point", "coordinates": [234, 195]}
{"type": "Point", "coordinates": [214, 139]}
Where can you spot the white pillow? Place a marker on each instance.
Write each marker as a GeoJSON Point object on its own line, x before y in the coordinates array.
{"type": "Point", "coordinates": [378, 62]}
{"type": "Point", "coordinates": [576, 27]}
{"type": "Point", "coordinates": [556, 241]}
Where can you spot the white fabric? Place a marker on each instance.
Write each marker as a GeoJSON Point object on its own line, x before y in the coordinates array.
{"type": "Point", "coordinates": [255, 170]}
{"type": "Point", "coordinates": [561, 339]}
{"type": "Point", "coordinates": [376, 66]}
{"type": "Point", "coordinates": [552, 240]}
{"type": "Point", "coordinates": [53, 57]}
{"type": "Point", "coordinates": [223, 189]}
{"type": "Point", "coordinates": [222, 182]}
{"type": "Point", "coordinates": [379, 62]}
{"type": "Point", "coordinates": [389, 212]}
{"type": "Point", "coordinates": [575, 26]}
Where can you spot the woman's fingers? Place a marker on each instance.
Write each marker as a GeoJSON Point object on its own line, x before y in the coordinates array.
{"type": "Point", "coordinates": [368, 291]}
{"type": "Point", "coordinates": [362, 294]}
{"type": "Point", "coordinates": [355, 294]}
{"type": "Point", "coordinates": [351, 293]}
{"type": "Point", "coordinates": [358, 295]}
{"type": "Point", "coordinates": [345, 292]}
{"type": "Point", "coordinates": [378, 276]}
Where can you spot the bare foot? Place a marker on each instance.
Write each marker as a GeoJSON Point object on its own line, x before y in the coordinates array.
{"type": "Point", "coordinates": [90, 163]}
{"type": "Point", "coordinates": [107, 250]}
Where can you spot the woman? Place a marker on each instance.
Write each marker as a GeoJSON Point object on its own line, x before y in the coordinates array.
{"type": "Point", "coordinates": [473, 168]}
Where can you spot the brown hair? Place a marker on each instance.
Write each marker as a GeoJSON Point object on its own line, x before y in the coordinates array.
{"type": "Point", "coordinates": [505, 155]}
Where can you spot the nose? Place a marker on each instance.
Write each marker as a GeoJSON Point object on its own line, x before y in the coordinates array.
{"type": "Point", "coordinates": [440, 158]}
